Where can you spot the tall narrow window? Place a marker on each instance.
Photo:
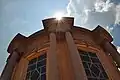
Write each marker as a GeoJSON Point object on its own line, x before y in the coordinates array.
{"type": "Point", "coordinates": [93, 67]}
{"type": "Point", "coordinates": [37, 68]}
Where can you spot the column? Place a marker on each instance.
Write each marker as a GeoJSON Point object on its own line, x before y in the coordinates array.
{"type": "Point", "coordinates": [52, 72]}
{"type": "Point", "coordinates": [76, 61]}
{"type": "Point", "coordinates": [7, 73]}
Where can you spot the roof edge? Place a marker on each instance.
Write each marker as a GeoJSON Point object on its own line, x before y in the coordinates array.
{"type": "Point", "coordinates": [17, 38]}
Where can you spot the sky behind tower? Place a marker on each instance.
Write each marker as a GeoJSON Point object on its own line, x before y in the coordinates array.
{"type": "Point", "coordinates": [24, 16]}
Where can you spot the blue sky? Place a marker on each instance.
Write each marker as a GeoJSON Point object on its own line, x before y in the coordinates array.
{"type": "Point", "coordinates": [24, 16]}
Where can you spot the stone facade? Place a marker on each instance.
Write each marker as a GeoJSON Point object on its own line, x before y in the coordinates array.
{"type": "Point", "coordinates": [61, 41]}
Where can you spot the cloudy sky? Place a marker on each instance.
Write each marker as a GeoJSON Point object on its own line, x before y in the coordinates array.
{"type": "Point", "coordinates": [24, 16]}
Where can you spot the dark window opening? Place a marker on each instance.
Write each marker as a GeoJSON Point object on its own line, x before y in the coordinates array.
{"type": "Point", "coordinates": [37, 68]}
{"type": "Point", "coordinates": [93, 67]}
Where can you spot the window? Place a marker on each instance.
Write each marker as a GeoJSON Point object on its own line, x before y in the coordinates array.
{"type": "Point", "coordinates": [93, 67]}
{"type": "Point", "coordinates": [37, 68]}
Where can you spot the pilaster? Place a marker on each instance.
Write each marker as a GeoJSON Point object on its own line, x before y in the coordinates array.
{"type": "Point", "coordinates": [52, 70]}
{"type": "Point", "coordinates": [76, 61]}
{"type": "Point", "coordinates": [11, 62]}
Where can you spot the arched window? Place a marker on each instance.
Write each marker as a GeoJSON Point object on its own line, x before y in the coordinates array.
{"type": "Point", "coordinates": [93, 67]}
{"type": "Point", "coordinates": [37, 68]}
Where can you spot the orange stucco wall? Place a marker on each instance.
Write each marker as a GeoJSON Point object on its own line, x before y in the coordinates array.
{"type": "Point", "coordinates": [66, 72]}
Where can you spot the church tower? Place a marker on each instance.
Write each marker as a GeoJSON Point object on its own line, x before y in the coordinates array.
{"type": "Point", "coordinates": [62, 51]}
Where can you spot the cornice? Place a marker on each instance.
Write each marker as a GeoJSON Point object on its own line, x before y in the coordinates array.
{"type": "Point", "coordinates": [98, 35]}
{"type": "Point", "coordinates": [18, 41]}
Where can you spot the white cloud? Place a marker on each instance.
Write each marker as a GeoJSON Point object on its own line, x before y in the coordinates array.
{"type": "Point", "coordinates": [90, 13]}
{"type": "Point", "coordinates": [118, 49]}
{"type": "Point", "coordinates": [117, 14]}
{"type": "Point", "coordinates": [101, 5]}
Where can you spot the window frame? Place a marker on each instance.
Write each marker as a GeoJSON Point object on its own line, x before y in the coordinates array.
{"type": "Point", "coordinates": [35, 55]}
{"type": "Point", "coordinates": [82, 53]}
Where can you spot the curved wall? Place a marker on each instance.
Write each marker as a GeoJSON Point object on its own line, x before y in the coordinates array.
{"type": "Point", "coordinates": [62, 47]}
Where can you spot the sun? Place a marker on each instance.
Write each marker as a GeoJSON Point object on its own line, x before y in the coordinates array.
{"type": "Point", "coordinates": [58, 15]}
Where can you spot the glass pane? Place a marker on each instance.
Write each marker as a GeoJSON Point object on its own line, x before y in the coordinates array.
{"type": "Point", "coordinates": [93, 68]}
{"type": "Point", "coordinates": [37, 68]}
{"type": "Point", "coordinates": [35, 75]}
{"type": "Point", "coordinates": [32, 61]}
{"type": "Point", "coordinates": [43, 77]}
{"type": "Point", "coordinates": [88, 72]}
{"type": "Point", "coordinates": [93, 79]}
{"type": "Point", "coordinates": [43, 69]}
{"type": "Point", "coordinates": [85, 58]}
{"type": "Point", "coordinates": [42, 57]}
{"type": "Point", "coordinates": [92, 54]}
{"type": "Point", "coordinates": [85, 65]}
{"type": "Point", "coordinates": [31, 67]}
{"type": "Point", "coordinates": [41, 63]}
{"type": "Point", "coordinates": [95, 60]}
